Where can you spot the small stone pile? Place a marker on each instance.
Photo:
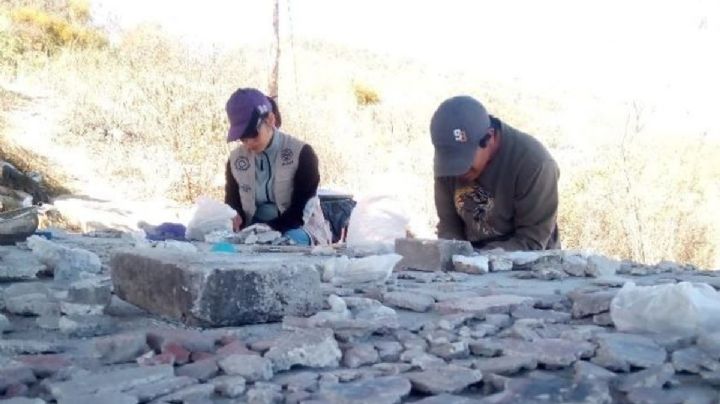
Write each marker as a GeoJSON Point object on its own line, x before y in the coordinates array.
{"type": "Point", "coordinates": [447, 325]}
{"type": "Point", "coordinates": [18, 190]}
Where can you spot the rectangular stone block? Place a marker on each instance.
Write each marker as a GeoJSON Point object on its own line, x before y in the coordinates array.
{"type": "Point", "coordinates": [214, 289]}
{"type": "Point", "coordinates": [109, 380]}
{"type": "Point", "coordinates": [429, 255]}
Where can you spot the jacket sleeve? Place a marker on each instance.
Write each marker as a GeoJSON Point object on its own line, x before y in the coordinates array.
{"type": "Point", "coordinates": [305, 185]}
{"type": "Point", "coordinates": [536, 207]}
{"type": "Point", "coordinates": [450, 225]}
{"type": "Point", "coordinates": [232, 191]}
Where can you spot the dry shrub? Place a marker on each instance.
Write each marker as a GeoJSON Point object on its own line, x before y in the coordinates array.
{"type": "Point", "coordinates": [365, 95]}
{"type": "Point", "coordinates": [647, 198]}
{"type": "Point", "coordinates": [39, 30]}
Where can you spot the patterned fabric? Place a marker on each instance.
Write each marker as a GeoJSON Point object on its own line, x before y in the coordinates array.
{"type": "Point", "coordinates": [475, 206]}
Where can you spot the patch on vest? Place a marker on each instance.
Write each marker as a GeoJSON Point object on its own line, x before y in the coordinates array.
{"type": "Point", "coordinates": [286, 157]}
{"type": "Point", "coordinates": [245, 188]}
{"type": "Point", "coordinates": [242, 163]}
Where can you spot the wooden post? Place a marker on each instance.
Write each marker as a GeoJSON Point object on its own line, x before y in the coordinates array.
{"type": "Point", "coordinates": [273, 90]}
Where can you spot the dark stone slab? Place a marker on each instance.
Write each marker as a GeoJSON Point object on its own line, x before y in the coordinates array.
{"type": "Point", "coordinates": [429, 255]}
{"type": "Point", "coordinates": [210, 289]}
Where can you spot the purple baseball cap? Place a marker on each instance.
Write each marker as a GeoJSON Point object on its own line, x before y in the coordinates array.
{"type": "Point", "coordinates": [245, 108]}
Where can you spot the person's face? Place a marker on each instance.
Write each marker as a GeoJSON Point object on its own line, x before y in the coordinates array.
{"type": "Point", "coordinates": [259, 143]}
{"type": "Point", "coordinates": [483, 154]}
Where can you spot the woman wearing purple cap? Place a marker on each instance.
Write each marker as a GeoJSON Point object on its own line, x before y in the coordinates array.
{"type": "Point", "coordinates": [271, 177]}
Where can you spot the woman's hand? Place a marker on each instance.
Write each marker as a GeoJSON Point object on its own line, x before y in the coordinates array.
{"type": "Point", "coordinates": [237, 223]}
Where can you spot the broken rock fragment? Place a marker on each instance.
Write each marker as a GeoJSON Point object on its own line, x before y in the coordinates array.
{"type": "Point", "coordinates": [408, 300]}
{"type": "Point", "coordinates": [68, 264]}
{"type": "Point", "coordinates": [449, 379]}
{"type": "Point", "coordinates": [502, 304]}
{"type": "Point", "coordinates": [477, 264]}
{"type": "Point", "coordinates": [380, 390]}
{"type": "Point", "coordinates": [429, 255]}
{"type": "Point", "coordinates": [621, 351]}
{"type": "Point", "coordinates": [315, 347]}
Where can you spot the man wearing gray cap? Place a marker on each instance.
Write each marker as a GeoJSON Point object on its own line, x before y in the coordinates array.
{"type": "Point", "coordinates": [494, 185]}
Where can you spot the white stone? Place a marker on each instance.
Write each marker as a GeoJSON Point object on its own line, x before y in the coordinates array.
{"type": "Point", "coordinates": [18, 265]}
{"type": "Point", "coordinates": [314, 347]}
{"type": "Point", "coordinates": [229, 386]}
{"type": "Point", "coordinates": [69, 264]}
{"type": "Point", "coordinates": [252, 368]}
{"type": "Point", "coordinates": [602, 267]}
{"type": "Point", "coordinates": [499, 264]}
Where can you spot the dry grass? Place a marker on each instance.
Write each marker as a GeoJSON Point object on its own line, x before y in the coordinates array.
{"type": "Point", "coordinates": [150, 112]}
{"type": "Point", "coordinates": [26, 160]}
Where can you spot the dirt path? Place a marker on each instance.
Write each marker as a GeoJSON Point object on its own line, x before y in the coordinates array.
{"type": "Point", "coordinates": [33, 125]}
{"type": "Point", "coordinates": [32, 129]}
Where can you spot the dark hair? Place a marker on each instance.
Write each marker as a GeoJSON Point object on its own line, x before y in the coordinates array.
{"type": "Point", "coordinates": [275, 111]}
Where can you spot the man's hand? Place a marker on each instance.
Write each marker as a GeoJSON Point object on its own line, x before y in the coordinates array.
{"type": "Point", "coordinates": [237, 223]}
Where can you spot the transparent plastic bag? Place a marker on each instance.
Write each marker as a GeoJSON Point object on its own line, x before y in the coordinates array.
{"type": "Point", "coordinates": [684, 308]}
{"type": "Point", "coordinates": [209, 216]}
{"type": "Point", "coordinates": [375, 223]}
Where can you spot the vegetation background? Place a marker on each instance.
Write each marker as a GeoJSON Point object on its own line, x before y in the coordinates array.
{"type": "Point", "coordinates": [144, 112]}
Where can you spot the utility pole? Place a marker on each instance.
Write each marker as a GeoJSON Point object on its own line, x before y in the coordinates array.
{"type": "Point", "coordinates": [273, 90]}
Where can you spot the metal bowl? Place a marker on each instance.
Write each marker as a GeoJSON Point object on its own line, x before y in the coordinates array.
{"type": "Point", "coordinates": [17, 225]}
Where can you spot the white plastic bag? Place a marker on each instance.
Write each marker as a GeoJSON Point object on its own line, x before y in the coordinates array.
{"type": "Point", "coordinates": [344, 271]}
{"type": "Point", "coordinates": [375, 223]}
{"type": "Point", "coordinates": [209, 216]}
{"type": "Point", "coordinates": [685, 309]}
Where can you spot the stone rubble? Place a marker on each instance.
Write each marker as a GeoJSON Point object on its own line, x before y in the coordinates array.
{"type": "Point", "coordinates": [279, 327]}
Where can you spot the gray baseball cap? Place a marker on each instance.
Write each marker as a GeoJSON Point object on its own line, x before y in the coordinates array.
{"type": "Point", "coordinates": [457, 127]}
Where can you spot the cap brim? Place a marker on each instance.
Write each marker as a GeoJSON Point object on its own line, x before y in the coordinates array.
{"type": "Point", "coordinates": [453, 162]}
{"type": "Point", "coordinates": [235, 133]}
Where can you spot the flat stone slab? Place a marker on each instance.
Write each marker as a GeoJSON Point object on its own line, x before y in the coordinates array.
{"type": "Point", "coordinates": [683, 394]}
{"type": "Point", "coordinates": [29, 347]}
{"type": "Point", "coordinates": [505, 365]}
{"type": "Point", "coordinates": [547, 388]}
{"type": "Point", "coordinates": [314, 347]}
{"type": "Point", "coordinates": [548, 316]}
{"type": "Point", "coordinates": [408, 300]}
{"type": "Point", "coordinates": [251, 368]}
{"type": "Point", "coordinates": [586, 304]}
{"type": "Point", "coordinates": [552, 352]}
{"type": "Point", "coordinates": [654, 377]}
{"type": "Point", "coordinates": [429, 255]}
{"type": "Point", "coordinates": [621, 351]}
{"type": "Point", "coordinates": [484, 304]}
{"type": "Point", "coordinates": [18, 265]}
{"type": "Point", "coordinates": [694, 360]}
{"type": "Point", "coordinates": [446, 399]}
{"type": "Point", "coordinates": [110, 381]}
{"type": "Point", "coordinates": [105, 398]}
{"type": "Point", "coordinates": [381, 390]}
{"type": "Point", "coordinates": [586, 371]}
{"type": "Point", "coordinates": [214, 289]}
{"type": "Point", "coordinates": [151, 391]}
{"type": "Point", "coordinates": [450, 379]}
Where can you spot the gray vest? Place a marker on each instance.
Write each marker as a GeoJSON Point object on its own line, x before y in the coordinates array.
{"type": "Point", "coordinates": [242, 165]}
